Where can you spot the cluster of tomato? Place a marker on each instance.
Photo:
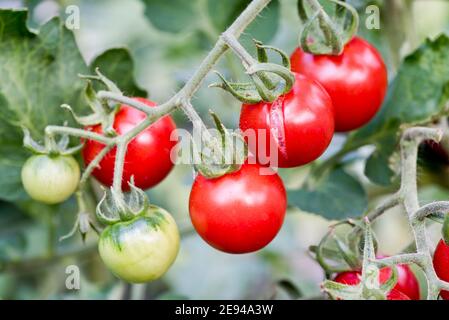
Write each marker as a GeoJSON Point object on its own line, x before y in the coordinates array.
{"type": "Point", "coordinates": [242, 211]}
{"type": "Point", "coordinates": [239, 212]}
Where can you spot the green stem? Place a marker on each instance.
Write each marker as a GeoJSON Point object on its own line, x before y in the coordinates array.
{"type": "Point", "coordinates": [93, 165]}
{"type": "Point", "coordinates": [52, 130]}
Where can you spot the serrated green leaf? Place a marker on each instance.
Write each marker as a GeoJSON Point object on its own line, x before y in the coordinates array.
{"type": "Point", "coordinates": [172, 16]}
{"type": "Point", "coordinates": [337, 197]}
{"type": "Point", "coordinates": [38, 73]}
{"type": "Point", "coordinates": [417, 94]}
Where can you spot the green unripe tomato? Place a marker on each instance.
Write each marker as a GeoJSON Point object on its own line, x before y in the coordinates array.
{"type": "Point", "coordinates": [50, 180]}
{"type": "Point", "coordinates": [142, 249]}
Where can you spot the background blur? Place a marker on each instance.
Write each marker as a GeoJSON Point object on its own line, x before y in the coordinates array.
{"type": "Point", "coordinates": [166, 49]}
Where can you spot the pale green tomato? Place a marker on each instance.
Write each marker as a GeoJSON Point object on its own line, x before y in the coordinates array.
{"type": "Point", "coordinates": [50, 179]}
{"type": "Point", "coordinates": [142, 249]}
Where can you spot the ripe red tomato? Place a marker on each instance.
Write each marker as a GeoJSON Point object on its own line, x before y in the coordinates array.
{"type": "Point", "coordinates": [407, 283]}
{"type": "Point", "coordinates": [148, 154]}
{"type": "Point", "coordinates": [441, 264]}
{"type": "Point", "coordinates": [356, 80]}
{"type": "Point", "coordinates": [300, 123]}
{"type": "Point", "coordinates": [240, 212]}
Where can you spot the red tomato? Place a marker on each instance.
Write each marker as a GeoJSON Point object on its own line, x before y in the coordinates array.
{"type": "Point", "coordinates": [240, 212]}
{"type": "Point", "coordinates": [397, 295]}
{"type": "Point", "coordinates": [356, 80]}
{"type": "Point", "coordinates": [407, 283]}
{"type": "Point", "coordinates": [148, 154]}
{"type": "Point", "coordinates": [300, 123]}
{"type": "Point", "coordinates": [441, 264]}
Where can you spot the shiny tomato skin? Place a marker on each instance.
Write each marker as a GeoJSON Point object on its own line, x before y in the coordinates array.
{"type": "Point", "coordinates": [240, 212]}
{"type": "Point", "coordinates": [407, 283]}
{"type": "Point", "coordinates": [306, 117]}
{"type": "Point", "coordinates": [441, 264]}
{"type": "Point", "coordinates": [148, 154]}
{"type": "Point", "coordinates": [356, 80]}
{"type": "Point", "coordinates": [351, 278]}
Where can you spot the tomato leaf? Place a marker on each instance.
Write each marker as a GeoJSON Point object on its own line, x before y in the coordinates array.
{"type": "Point", "coordinates": [337, 197]}
{"type": "Point", "coordinates": [171, 16]}
{"type": "Point", "coordinates": [175, 16]}
{"type": "Point", "coordinates": [418, 93]}
{"type": "Point", "coordinates": [39, 72]}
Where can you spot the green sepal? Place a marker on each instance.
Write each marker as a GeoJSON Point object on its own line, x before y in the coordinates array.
{"type": "Point", "coordinates": [244, 92]}
{"type": "Point", "coordinates": [369, 287]}
{"type": "Point", "coordinates": [116, 206]}
{"type": "Point", "coordinates": [51, 146]}
{"type": "Point", "coordinates": [269, 80]}
{"type": "Point", "coordinates": [323, 34]}
{"type": "Point", "coordinates": [110, 85]}
{"type": "Point", "coordinates": [31, 144]}
{"type": "Point", "coordinates": [348, 255]}
{"type": "Point", "coordinates": [103, 112]}
{"type": "Point", "coordinates": [225, 157]}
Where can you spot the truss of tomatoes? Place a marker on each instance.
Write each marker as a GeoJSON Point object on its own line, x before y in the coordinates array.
{"type": "Point", "coordinates": [243, 211]}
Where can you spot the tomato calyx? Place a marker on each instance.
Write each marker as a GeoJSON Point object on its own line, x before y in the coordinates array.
{"type": "Point", "coordinates": [268, 80]}
{"type": "Point", "coordinates": [116, 206]}
{"type": "Point", "coordinates": [220, 154]}
{"type": "Point", "coordinates": [103, 111]}
{"type": "Point", "coordinates": [324, 34]}
{"type": "Point", "coordinates": [51, 147]}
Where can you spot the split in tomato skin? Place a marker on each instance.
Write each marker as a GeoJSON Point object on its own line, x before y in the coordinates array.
{"type": "Point", "coordinates": [441, 264]}
{"type": "Point", "coordinates": [407, 283]}
{"type": "Point", "coordinates": [299, 123]}
{"type": "Point", "coordinates": [356, 80]}
{"type": "Point", "coordinates": [240, 212]}
{"type": "Point", "coordinates": [148, 156]}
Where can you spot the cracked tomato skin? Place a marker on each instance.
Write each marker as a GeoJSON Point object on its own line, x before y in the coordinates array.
{"type": "Point", "coordinates": [148, 154]}
{"type": "Point", "coordinates": [240, 212]}
{"type": "Point", "coordinates": [441, 265]}
{"type": "Point", "coordinates": [356, 80]}
{"type": "Point", "coordinates": [299, 123]}
{"type": "Point", "coordinates": [407, 283]}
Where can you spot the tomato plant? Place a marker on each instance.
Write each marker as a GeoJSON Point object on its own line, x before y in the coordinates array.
{"type": "Point", "coordinates": [148, 156]}
{"type": "Point", "coordinates": [356, 80]}
{"type": "Point", "coordinates": [142, 249]}
{"type": "Point", "coordinates": [50, 179]}
{"type": "Point", "coordinates": [441, 264]}
{"type": "Point", "coordinates": [299, 123]}
{"type": "Point", "coordinates": [334, 82]}
{"type": "Point", "coordinates": [240, 212]}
